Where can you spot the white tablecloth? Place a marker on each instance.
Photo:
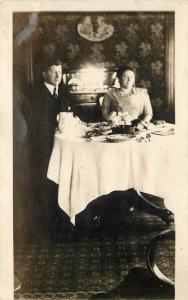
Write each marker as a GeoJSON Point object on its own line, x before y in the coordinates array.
{"type": "Point", "coordinates": [86, 170]}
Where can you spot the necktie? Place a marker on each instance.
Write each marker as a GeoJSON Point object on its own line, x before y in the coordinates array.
{"type": "Point", "coordinates": [55, 93]}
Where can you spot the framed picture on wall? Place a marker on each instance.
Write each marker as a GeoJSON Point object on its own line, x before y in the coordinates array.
{"type": "Point", "coordinates": [95, 32]}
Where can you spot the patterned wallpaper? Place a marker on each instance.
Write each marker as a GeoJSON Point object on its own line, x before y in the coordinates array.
{"type": "Point", "coordinates": [138, 39]}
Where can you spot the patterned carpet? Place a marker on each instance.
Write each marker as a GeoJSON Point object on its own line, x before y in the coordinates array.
{"type": "Point", "coordinates": [82, 265]}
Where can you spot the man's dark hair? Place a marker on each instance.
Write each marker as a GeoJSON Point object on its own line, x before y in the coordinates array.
{"type": "Point", "coordinates": [50, 61]}
{"type": "Point", "coordinates": [122, 69]}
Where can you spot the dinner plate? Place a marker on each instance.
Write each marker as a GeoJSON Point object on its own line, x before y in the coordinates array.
{"type": "Point", "coordinates": [100, 138]}
{"type": "Point", "coordinates": [164, 133]}
{"type": "Point", "coordinates": [116, 138]}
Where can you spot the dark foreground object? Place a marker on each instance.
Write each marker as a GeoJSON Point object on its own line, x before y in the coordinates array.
{"type": "Point", "coordinates": [116, 205]}
{"type": "Point", "coordinates": [139, 284]}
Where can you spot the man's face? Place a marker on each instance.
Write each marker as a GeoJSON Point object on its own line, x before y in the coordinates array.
{"type": "Point", "coordinates": [53, 75]}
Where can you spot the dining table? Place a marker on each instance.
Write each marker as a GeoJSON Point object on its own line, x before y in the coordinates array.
{"type": "Point", "coordinates": [86, 168]}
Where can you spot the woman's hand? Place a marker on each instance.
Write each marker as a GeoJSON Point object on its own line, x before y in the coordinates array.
{"type": "Point", "coordinates": [145, 125]}
{"type": "Point", "coordinates": [114, 118]}
{"type": "Point", "coordinates": [140, 126]}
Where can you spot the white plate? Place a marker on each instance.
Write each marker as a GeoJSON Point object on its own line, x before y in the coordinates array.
{"type": "Point", "coordinates": [164, 131]}
{"type": "Point", "coordinates": [170, 132]}
{"type": "Point", "coordinates": [100, 138]}
{"type": "Point", "coordinates": [118, 138]}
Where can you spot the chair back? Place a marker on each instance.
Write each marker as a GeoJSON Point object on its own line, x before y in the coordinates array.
{"type": "Point", "coordinates": [101, 100]}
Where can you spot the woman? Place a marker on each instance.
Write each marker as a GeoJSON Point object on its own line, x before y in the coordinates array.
{"type": "Point", "coordinates": [127, 100]}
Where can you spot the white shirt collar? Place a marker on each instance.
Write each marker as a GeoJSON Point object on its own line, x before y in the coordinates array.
{"type": "Point", "coordinates": [51, 87]}
{"type": "Point", "coordinates": [134, 90]}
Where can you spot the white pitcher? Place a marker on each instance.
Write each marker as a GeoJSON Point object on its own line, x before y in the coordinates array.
{"type": "Point", "coordinates": [68, 124]}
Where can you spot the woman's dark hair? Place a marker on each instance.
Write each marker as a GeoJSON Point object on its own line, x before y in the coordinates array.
{"type": "Point", "coordinates": [122, 69]}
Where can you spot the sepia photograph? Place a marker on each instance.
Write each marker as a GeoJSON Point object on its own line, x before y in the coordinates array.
{"type": "Point", "coordinates": [94, 182]}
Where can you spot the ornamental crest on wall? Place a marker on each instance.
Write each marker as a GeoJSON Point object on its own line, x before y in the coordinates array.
{"type": "Point", "coordinates": [95, 30]}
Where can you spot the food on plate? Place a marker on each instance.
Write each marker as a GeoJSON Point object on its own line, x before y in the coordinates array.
{"type": "Point", "coordinates": [144, 138]}
{"type": "Point", "coordinates": [145, 125]}
{"type": "Point", "coordinates": [161, 123]}
{"type": "Point", "coordinates": [96, 129]}
{"type": "Point", "coordinates": [93, 132]}
{"type": "Point", "coordinates": [120, 118]}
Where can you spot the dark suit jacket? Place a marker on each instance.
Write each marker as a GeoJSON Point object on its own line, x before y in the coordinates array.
{"type": "Point", "coordinates": [43, 123]}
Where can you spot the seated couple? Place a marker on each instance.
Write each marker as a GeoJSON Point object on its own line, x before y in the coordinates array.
{"type": "Point", "coordinates": [51, 98]}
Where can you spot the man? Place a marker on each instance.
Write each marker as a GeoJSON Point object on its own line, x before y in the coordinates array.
{"type": "Point", "coordinates": [48, 99]}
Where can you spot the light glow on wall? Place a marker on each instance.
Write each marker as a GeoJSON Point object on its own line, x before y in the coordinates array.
{"type": "Point", "coordinates": [92, 77]}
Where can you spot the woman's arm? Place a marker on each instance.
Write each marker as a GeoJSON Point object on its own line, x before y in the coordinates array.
{"type": "Point", "coordinates": [147, 111]}
{"type": "Point", "coordinates": [109, 111]}
{"type": "Point", "coordinates": [106, 107]}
